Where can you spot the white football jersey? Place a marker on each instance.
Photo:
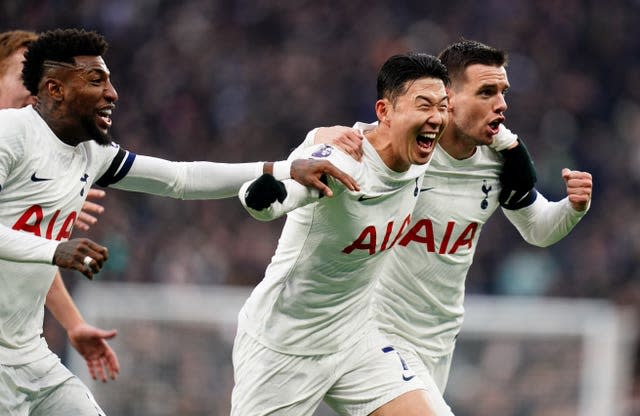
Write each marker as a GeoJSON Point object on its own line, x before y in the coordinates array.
{"type": "Point", "coordinates": [43, 184]}
{"type": "Point", "coordinates": [421, 291]}
{"type": "Point", "coordinates": [316, 295]}
{"type": "Point", "coordinates": [420, 295]}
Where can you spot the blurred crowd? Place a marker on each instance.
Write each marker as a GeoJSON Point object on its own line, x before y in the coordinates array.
{"type": "Point", "coordinates": [245, 80]}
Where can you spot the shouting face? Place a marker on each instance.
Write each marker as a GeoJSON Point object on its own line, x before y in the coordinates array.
{"type": "Point", "coordinates": [416, 120]}
{"type": "Point", "coordinates": [477, 103]}
{"type": "Point", "coordinates": [85, 100]}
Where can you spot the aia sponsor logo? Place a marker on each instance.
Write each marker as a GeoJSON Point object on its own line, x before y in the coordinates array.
{"type": "Point", "coordinates": [31, 221]}
{"type": "Point", "coordinates": [454, 238]}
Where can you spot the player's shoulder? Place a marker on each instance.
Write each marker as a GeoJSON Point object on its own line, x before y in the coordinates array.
{"type": "Point", "coordinates": [14, 121]}
{"type": "Point", "coordinates": [92, 144]}
{"type": "Point", "coordinates": [487, 153]}
{"type": "Point", "coordinates": [106, 153]}
{"type": "Point", "coordinates": [337, 157]}
{"type": "Point", "coordinates": [15, 125]}
{"type": "Point", "coordinates": [17, 113]}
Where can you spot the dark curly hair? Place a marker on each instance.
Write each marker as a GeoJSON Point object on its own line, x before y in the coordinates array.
{"type": "Point", "coordinates": [60, 45]}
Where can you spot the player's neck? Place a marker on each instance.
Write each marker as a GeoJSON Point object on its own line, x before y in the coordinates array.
{"type": "Point", "coordinates": [456, 144]}
{"type": "Point", "coordinates": [57, 122]}
{"type": "Point", "coordinates": [383, 145]}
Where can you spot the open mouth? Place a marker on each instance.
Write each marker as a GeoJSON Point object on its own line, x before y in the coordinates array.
{"type": "Point", "coordinates": [495, 126]}
{"type": "Point", "coordinates": [426, 141]}
{"type": "Point", "coordinates": [104, 117]}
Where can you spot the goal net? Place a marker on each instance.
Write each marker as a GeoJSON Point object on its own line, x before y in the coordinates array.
{"type": "Point", "coordinates": [514, 356]}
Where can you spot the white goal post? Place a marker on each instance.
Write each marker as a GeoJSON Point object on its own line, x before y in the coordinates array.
{"type": "Point", "coordinates": [174, 345]}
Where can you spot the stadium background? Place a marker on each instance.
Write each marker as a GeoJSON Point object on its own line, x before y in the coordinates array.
{"type": "Point", "coordinates": [234, 81]}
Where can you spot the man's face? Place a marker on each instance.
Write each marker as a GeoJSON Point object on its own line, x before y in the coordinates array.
{"type": "Point", "coordinates": [416, 120]}
{"type": "Point", "coordinates": [13, 93]}
{"type": "Point", "coordinates": [477, 103]}
{"type": "Point", "coordinates": [90, 97]}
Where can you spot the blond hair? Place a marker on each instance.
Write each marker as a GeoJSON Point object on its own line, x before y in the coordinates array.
{"type": "Point", "coordinates": [11, 41]}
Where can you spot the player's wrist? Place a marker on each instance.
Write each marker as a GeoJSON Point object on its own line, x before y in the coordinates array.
{"type": "Point", "coordinates": [282, 170]}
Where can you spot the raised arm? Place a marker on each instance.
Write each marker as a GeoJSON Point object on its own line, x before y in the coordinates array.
{"type": "Point", "coordinates": [543, 222]}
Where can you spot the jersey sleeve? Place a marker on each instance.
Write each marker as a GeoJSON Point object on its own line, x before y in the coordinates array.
{"type": "Point", "coordinates": [544, 222]}
{"type": "Point", "coordinates": [25, 247]}
{"type": "Point", "coordinates": [118, 162]}
{"type": "Point", "coordinates": [17, 245]}
{"type": "Point", "coordinates": [299, 195]}
{"type": "Point", "coordinates": [187, 180]}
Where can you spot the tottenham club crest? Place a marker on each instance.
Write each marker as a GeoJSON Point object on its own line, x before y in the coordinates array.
{"type": "Point", "coordinates": [485, 190]}
{"type": "Point", "coordinates": [324, 151]}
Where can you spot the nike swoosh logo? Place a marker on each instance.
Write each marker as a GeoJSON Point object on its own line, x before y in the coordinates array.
{"type": "Point", "coordinates": [366, 198]}
{"type": "Point", "coordinates": [34, 178]}
{"type": "Point", "coordinates": [427, 189]}
{"type": "Point", "coordinates": [407, 378]}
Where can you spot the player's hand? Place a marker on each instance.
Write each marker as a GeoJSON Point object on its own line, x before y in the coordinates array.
{"type": "Point", "coordinates": [347, 139]}
{"type": "Point", "coordinates": [312, 173]}
{"type": "Point", "coordinates": [87, 216]}
{"type": "Point", "coordinates": [264, 191]}
{"type": "Point", "coordinates": [518, 178]}
{"type": "Point", "coordinates": [91, 343]}
{"type": "Point", "coordinates": [81, 254]}
{"type": "Point", "coordinates": [579, 188]}
{"type": "Point", "coordinates": [504, 140]}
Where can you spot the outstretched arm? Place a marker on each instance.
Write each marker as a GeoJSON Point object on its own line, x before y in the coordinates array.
{"type": "Point", "coordinates": [210, 180]}
{"type": "Point", "coordinates": [89, 341]}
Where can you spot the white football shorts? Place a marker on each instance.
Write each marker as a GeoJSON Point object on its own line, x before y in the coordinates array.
{"type": "Point", "coordinates": [44, 388]}
{"type": "Point", "coordinates": [433, 371]}
{"type": "Point", "coordinates": [355, 381]}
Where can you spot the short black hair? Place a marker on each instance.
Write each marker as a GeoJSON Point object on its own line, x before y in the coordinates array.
{"type": "Point", "coordinates": [399, 69]}
{"type": "Point", "coordinates": [61, 45]}
{"type": "Point", "coordinates": [458, 56]}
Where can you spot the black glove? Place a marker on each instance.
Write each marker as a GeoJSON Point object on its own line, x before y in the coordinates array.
{"type": "Point", "coordinates": [264, 191]}
{"type": "Point", "coordinates": [518, 178]}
